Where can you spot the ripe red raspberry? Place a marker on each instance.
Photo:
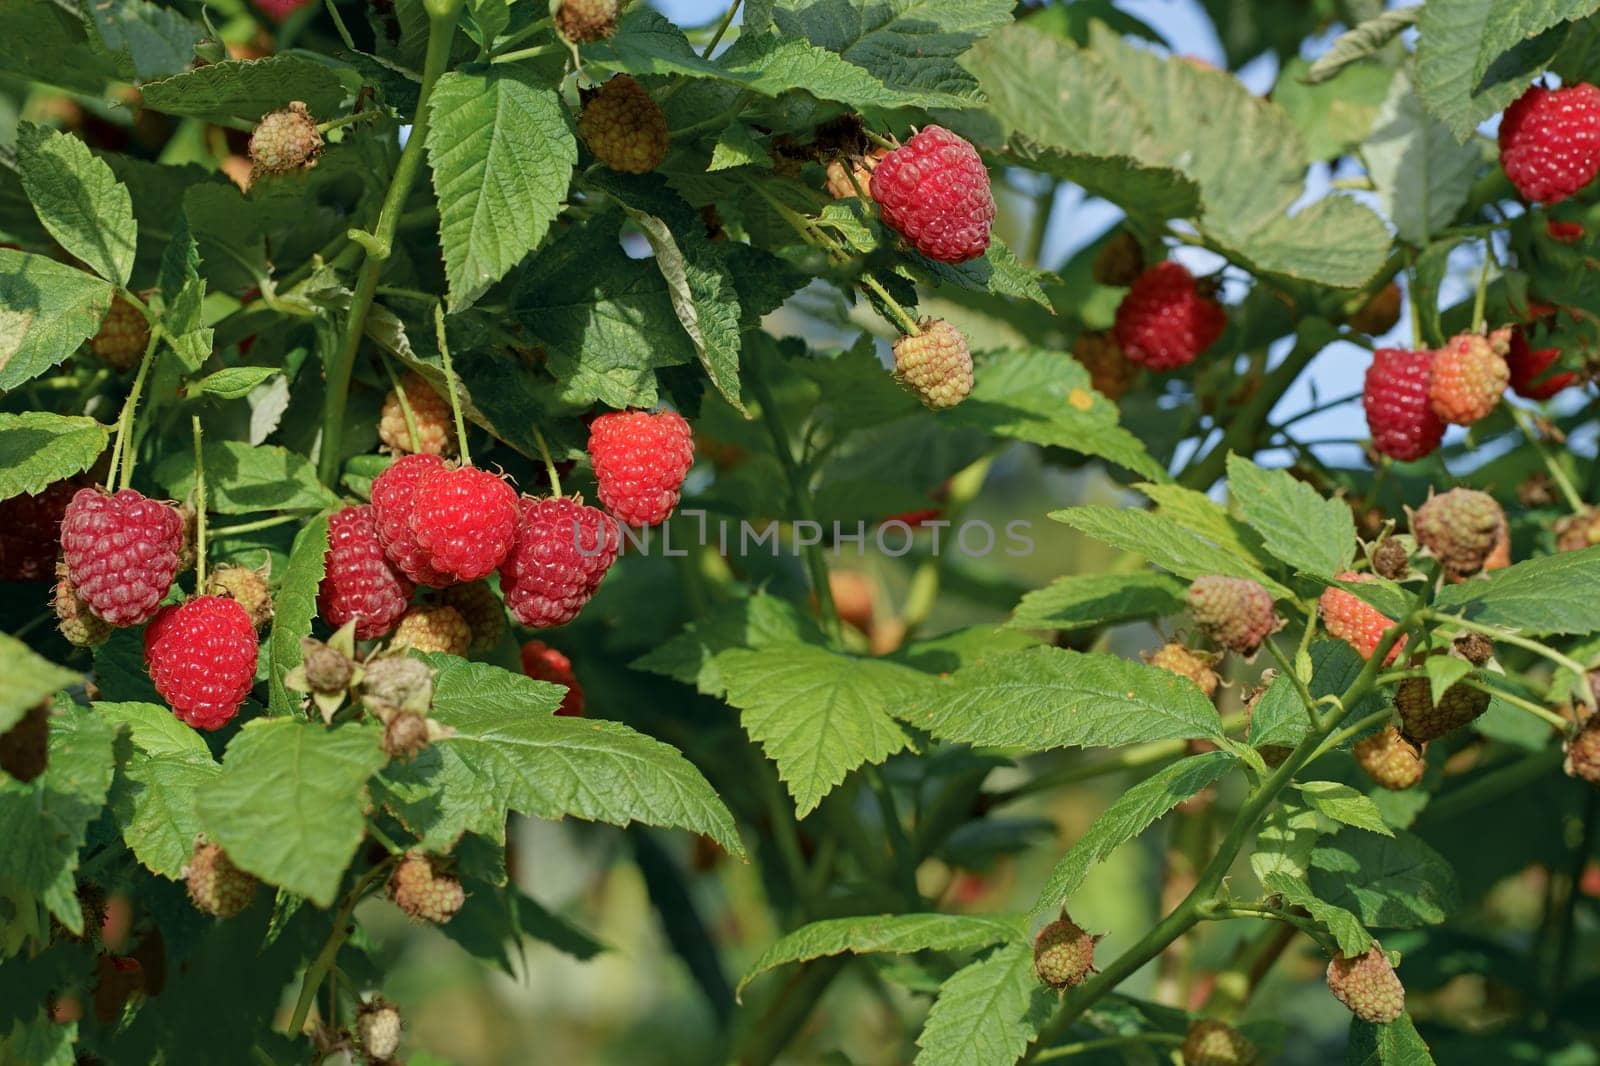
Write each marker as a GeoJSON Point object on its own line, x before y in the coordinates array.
{"type": "Point", "coordinates": [420, 887]}
{"type": "Point", "coordinates": [543, 663]}
{"type": "Point", "coordinates": [1470, 374]}
{"type": "Point", "coordinates": [1367, 985]}
{"type": "Point", "coordinates": [640, 460]}
{"type": "Point", "coordinates": [1550, 141]}
{"type": "Point", "coordinates": [1210, 1042]}
{"type": "Point", "coordinates": [935, 364]}
{"type": "Point", "coordinates": [1063, 954]}
{"type": "Point", "coordinates": [484, 613]}
{"type": "Point", "coordinates": [1564, 232]}
{"type": "Point", "coordinates": [278, 10]}
{"type": "Point", "coordinates": [934, 191]}
{"type": "Point", "coordinates": [1400, 416]}
{"type": "Point", "coordinates": [122, 552]}
{"type": "Point", "coordinates": [216, 885]}
{"type": "Point", "coordinates": [30, 532]}
{"type": "Point", "coordinates": [1177, 658]}
{"type": "Point", "coordinates": [583, 21]}
{"type": "Point", "coordinates": [1233, 611]}
{"type": "Point", "coordinates": [623, 126]}
{"type": "Point", "coordinates": [1350, 619]}
{"type": "Point", "coordinates": [1164, 322]}
{"type": "Point", "coordinates": [1390, 759]}
{"type": "Point", "coordinates": [247, 586]}
{"type": "Point", "coordinates": [285, 140]}
{"type": "Point", "coordinates": [358, 582]}
{"type": "Point", "coordinates": [430, 413]}
{"type": "Point", "coordinates": [1530, 366]}
{"type": "Point", "coordinates": [1422, 720]}
{"type": "Point", "coordinates": [433, 627]}
{"type": "Point", "coordinates": [123, 335]}
{"type": "Point", "coordinates": [1461, 528]}
{"type": "Point", "coordinates": [465, 520]}
{"type": "Point", "coordinates": [202, 657]}
{"type": "Point", "coordinates": [563, 550]}
{"type": "Point", "coordinates": [393, 502]}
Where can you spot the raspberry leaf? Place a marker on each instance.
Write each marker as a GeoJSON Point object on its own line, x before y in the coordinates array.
{"type": "Point", "coordinates": [295, 605]}
{"type": "Point", "coordinates": [901, 934]}
{"type": "Point", "coordinates": [817, 714]}
{"type": "Point", "coordinates": [1133, 812]}
{"type": "Point", "coordinates": [1345, 805]}
{"type": "Point", "coordinates": [1390, 882]}
{"type": "Point", "coordinates": [51, 308]}
{"type": "Point", "coordinates": [1047, 698]}
{"type": "Point", "coordinates": [1164, 542]}
{"type": "Point", "coordinates": [244, 479]}
{"type": "Point", "coordinates": [1296, 524]}
{"type": "Point", "coordinates": [987, 1013]}
{"type": "Point", "coordinates": [26, 679]}
{"type": "Point", "coordinates": [241, 91]}
{"type": "Point", "coordinates": [1550, 594]}
{"type": "Point", "coordinates": [38, 448]}
{"type": "Point", "coordinates": [154, 796]}
{"type": "Point", "coordinates": [1087, 601]}
{"type": "Point", "coordinates": [79, 200]}
{"type": "Point", "coordinates": [1421, 173]}
{"type": "Point", "coordinates": [1345, 927]}
{"type": "Point", "coordinates": [289, 805]}
{"type": "Point", "coordinates": [147, 41]}
{"type": "Point", "coordinates": [1285, 841]}
{"type": "Point", "coordinates": [495, 122]}
{"type": "Point", "coordinates": [758, 621]}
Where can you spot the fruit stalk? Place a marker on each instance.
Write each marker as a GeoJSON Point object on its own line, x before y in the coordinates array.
{"type": "Point", "coordinates": [442, 15]}
{"type": "Point", "coordinates": [122, 451]}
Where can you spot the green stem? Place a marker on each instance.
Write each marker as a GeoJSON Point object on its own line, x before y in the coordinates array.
{"type": "Point", "coordinates": [1570, 878]}
{"type": "Point", "coordinates": [815, 560]}
{"type": "Point", "coordinates": [924, 591]}
{"type": "Point", "coordinates": [1548, 716]}
{"type": "Point", "coordinates": [330, 949]}
{"type": "Point", "coordinates": [1585, 692]}
{"type": "Point", "coordinates": [199, 511]}
{"type": "Point", "coordinates": [902, 321]}
{"type": "Point", "coordinates": [1569, 492]}
{"type": "Point", "coordinates": [774, 1032]}
{"type": "Point", "coordinates": [258, 524]}
{"type": "Point", "coordinates": [722, 29]}
{"type": "Point", "coordinates": [1340, 736]}
{"type": "Point", "coordinates": [123, 450]}
{"type": "Point", "coordinates": [1297, 681]}
{"type": "Point", "coordinates": [1064, 1051]}
{"type": "Point", "coordinates": [549, 463]}
{"type": "Point", "coordinates": [1044, 202]}
{"type": "Point", "coordinates": [1221, 911]}
{"type": "Point", "coordinates": [530, 53]}
{"type": "Point", "coordinates": [405, 405]}
{"type": "Point", "coordinates": [1249, 420]}
{"type": "Point", "coordinates": [450, 383]}
{"type": "Point", "coordinates": [905, 860]}
{"type": "Point", "coordinates": [526, 32]}
{"type": "Point", "coordinates": [442, 15]}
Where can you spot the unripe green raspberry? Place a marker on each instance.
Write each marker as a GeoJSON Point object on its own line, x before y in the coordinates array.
{"type": "Point", "coordinates": [123, 336]}
{"type": "Point", "coordinates": [432, 627]}
{"type": "Point", "coordinates": [424, 891]}
{"type": "Point", "coordinates": [1422, 720]}
{"type": "Point", "coordinates": [1460, 528]}
{"type": "Point", "coordinates": [624, 127]}
{"type": "Point", "coordinates": [216, 885]}
{"type": "Point", "coordinates": [1390, 759]}
{"type": "Point", "coordinates": [485, 614]}
{"type": "Point", "coordinates": [935, 364]}
{"type": "Point", "coordinates": [1583, 751]}
{"type": "Point", "coordinates": [1210, 1042]}
{"type": "Point", "coordinates": [246, 586]}
{"type": "Point", "coordinates": [430, 413]}
{"type": "Point", "coordinates": [1063, 954]}
{"type": "Point", "coordinates": [378, 1028]}
{"type": "Point", "coordinates": [25, 747]}
{"type": "Point", "coordinates": [81, 626]}
{"type": "Point", "coordinates": [285, 141]}
{"type": "Point", "coordinates": [1188, 662]}
{"type": "Point", "coordinates": [1367, 984]}
{"type": "Point", "coordinates": [1233, 611]}
{"type": "Point", "coordinates": [583, 21]}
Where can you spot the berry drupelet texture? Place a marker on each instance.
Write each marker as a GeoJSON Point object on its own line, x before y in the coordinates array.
{"type": "Point", "coordinates": [1550, 141]}
{"type": "Point", "coordinates": [1367, 984]}
{"type": "Point", "coordinates": [640, 460]}
{"type": "Point", "coordinates": [1350, 619]}
{"type": "Point", "coordinates": [624, 127]}
{"type": "Point", "coordinates": [465, 520]}
{"type": "Point", "coordinates": [935, 364]}
{"type": "Point", "coordinates": [394, 499]}
{"type": "Point", "coordinates": [202, 658]}
{"type": "Point", "coordinates": [934, 191]}
{"type": "Point", "coordinates": [1165, 322]}
{"type": "Point", "coordinates": [359, 584]}
{"type": "Point", "coordinates": [563, 550]}
{"type": "Point", "coordinates": [430, 414]}
{"type": "Point", "coordinates": [1400, 415]}
{"type": "Point", "coordinates": [122, 552]}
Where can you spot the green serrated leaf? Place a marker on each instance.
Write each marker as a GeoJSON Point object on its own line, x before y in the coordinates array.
{"type": "Point", "coordinates": [147, 40]}
{"type": "Point", "coordinates": [1049, 698]}
{"type": "Point", "coordinates": [1395, 1043]}
{"type": "Point", "coordinates": [502, 152]}
{"type": "Point", "coordinates": [1296, 524]}
{"type": "Point", "coordinates": [1397, 882]}
{"type": "Point", "coordinates": [1421, 173]}
{"type": "Point", "coordinates": [245, 479]}
{"type": "Point", "coordinates": [1360, 41]}
{"type": "Point", "coordinates": [236, 91]}
{"type": "Point", "coordinates": [1164, 542]}
{"type": "Point", "coordinates": [234, 382]}
{"type": "Point", "coordinates": [289, 805]}
{"type": "Point", "coordinates": [1284, 842]}
{"type": "Point", "coordinates": [47, 310]}
{"type": "Point", "coordinates": [79, 200]}
{"type": "Point", "coordinates": [38, 448]}
{"type": "Point", "coordinates": [1547, 595]}
{"type": "Point", "coordinates": [1134, 811]}
{"type": "Point", "coordinates": [1444, 671]}
{"type": "Point", "coordinates": [1088, 601]}
{"type": "Point", "coordinates": [154, 797]}
{"type": "Point", "coordinates": [1476, 56]}
{"type": "Point", "coordinates": [987, 1013]}
{"type": "Point", "coordinates": [1344, 805]}
{"type": "Point", "coordinates": [758, 621]}
{"type": "Point", "coordinates": [997, 272]}
{"type": "Point", "coordinates": [27, 679]}
{"type": "Point", "coordinates": [816, 713]}
{"type": "Point", "coordinates": [294, 608]}
{"type": "Point", "coordinates": [1345, 927]}
{"type": "Point", "coordinates": [898, 933]}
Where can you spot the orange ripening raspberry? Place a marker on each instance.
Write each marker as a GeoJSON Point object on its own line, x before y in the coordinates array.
{"type": "Point", "coordinates": [1470, 375]}
{"type": "Point", "coordinates": [1350, 619]}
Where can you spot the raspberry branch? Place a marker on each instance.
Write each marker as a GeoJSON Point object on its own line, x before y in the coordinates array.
{"type": "Point", "coordinates": [124, 448]}
{"type": "Point", "coordinates": [199, 509]}
{"type": "Point", "coordinates": [450, 386]}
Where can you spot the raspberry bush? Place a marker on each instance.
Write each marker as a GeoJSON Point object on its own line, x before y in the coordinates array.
{"type": "Point", "coordinates": [862, 532]}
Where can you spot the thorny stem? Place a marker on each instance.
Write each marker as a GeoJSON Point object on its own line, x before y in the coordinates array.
{"type": "Point", "coordinates": [442, 16]}
{"type": "Point", "coordinates": [1189, 912]}
{"type": "Point", "coordinates": [450, 385]}
{"type": "Point", "coordinates": [902, 320]}
{"type": "Point", "coordinates": [199, 510]}
{"type": "Point", "coordinates": [124, 449]}
{"type": "Point", "coordinates": [1548, 716]}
